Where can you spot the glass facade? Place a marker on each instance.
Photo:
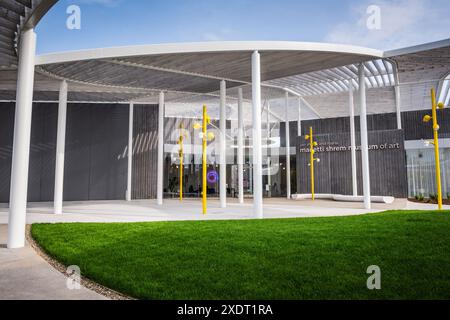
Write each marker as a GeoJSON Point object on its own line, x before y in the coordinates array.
{"type": "Point", "coordinates": [420, 163]}
{"type": "Point", "coordinates": [274, 162]}
{"type": "Point", "coordinates": [422, 172]}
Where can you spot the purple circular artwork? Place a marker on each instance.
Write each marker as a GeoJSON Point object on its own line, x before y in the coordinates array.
{"type": "Point", "coordinates": [212, 177]}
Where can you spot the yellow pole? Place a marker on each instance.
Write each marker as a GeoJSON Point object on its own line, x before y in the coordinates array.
{"type": "Point", "coordinates": [181, 154]}
{"type": "Point", "coordinates": [436, 147]}
{"type": "Point", "coordinates": [204, 145]}
{"type": "Point", "coordinates": [311, 159]}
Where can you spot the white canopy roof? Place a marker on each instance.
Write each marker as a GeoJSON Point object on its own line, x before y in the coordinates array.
{"type": "Point", "coordinates": [196, 68]}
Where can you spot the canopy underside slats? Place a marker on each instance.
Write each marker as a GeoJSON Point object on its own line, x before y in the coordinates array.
{"type": "Point", "coordinates": [16, 15]}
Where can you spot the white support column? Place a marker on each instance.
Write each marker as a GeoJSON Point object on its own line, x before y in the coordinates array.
{"type": "Point", "coordinates": [223, 146]}
{"type": "Point", "coordinates": [269, 159]}
{"type": "Point", "coordinates": [299, 120]}
{"type": "Point", "coordinates": [159, 186]}
{"type": "Point", "coordinates": [364, 138]}
{"type": "Point", "coordinates": [21, 144]}
{"type": "Point", "coordinates": [398, 104]}
{"type": "Point", "coordinates": [60, 149]}
{"type": "Point", "coordinates": [257, 137]}
{"type": "Point", "coordinates": [353, 138]}
{"type": "Point", "coordinates": [130, 152]}
{"type": "Point", "coordinates": [240, 137]}
{"type": "Point", "coordinates": [288, 150]}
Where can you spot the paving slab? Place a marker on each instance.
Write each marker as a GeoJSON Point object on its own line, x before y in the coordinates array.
{"type": "Point", "coordinates": [190, 209]}
{"type": "Point", "coordinates": [24, 275]}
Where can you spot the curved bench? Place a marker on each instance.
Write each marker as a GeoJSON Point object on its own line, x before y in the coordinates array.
{"type": "Point", "coordinates": [343, 198]}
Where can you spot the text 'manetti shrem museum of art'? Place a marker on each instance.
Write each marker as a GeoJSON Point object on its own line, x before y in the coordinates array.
{"type": "Point", "coordinates": [104, 124]}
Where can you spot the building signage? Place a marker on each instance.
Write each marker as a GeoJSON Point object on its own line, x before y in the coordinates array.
{"type": "Point", "coordinates": [335, 147]}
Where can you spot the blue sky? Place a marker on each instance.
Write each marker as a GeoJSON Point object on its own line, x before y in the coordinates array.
{"type": "Point", "coordinates": [108, 23]}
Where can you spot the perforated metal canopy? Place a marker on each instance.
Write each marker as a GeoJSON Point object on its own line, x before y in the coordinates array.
{"type": "Point", "coordinates": [15, 16]}
{"type": "Point", "coordinates": [196, 68]}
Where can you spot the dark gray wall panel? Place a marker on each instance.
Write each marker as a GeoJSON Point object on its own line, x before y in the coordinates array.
{"type": "Point", "coordinates": [109, 137]}
{"type": "Point", "coordinates": [6, 141]}
{"type": "Point", "coordinates": [48, 156]}
{"type": "Point", "coordinates": [78, 153]}
{"type": "Point", "coordinates": [145, 151]}
{"type": "Point", "coordinates": [95, 140]}
{"type": "Point", "coordinates": [388, 171]}
{"type": "Point", "coordinates": [333, 173]}
{"type": "Point", "coordinates": [42, 151]}
{"type": "Point", "coordinates": [41, 174]}
{"type": "Point", "coordinates": [412, 124]}
{"type": "Point", "coordinates": [416, 129]}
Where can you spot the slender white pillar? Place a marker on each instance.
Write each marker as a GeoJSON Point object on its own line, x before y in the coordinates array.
{"type": "Point", "coordinates": [257, 149]}
{"type": "Point", "coordinates": [240, 159]}
{"type": "Point", "coordinates": [299, 120]}
{"type": "Point", "coordinates": [250, 178]}
{"type": "Point", "coordinates": [130, 152]}
{"type": "Point", "coordinates": [269, 160]}
{"type": "Point", "coordinates": [159, 187]}
{"type": "Point", "coordinates": [353, 138]}
{"type": "Point", "coordinates": [364, 138]}
{"type": "Point", "coordinates": [288, 150]}
{"type": "Point", "coordinates": [299, 124]}
{"type": "Point", "coordinates": [223, 146]}
{"type": "Point", "coordinates": [60, 149]}
{"type": "Point", "coordinates": [21, 144]}
{"type": "Point", "coordinates": [398, 105]}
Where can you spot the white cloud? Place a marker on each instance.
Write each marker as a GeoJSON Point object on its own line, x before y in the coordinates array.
{"type": "Point", "coordinates": [403, 23]}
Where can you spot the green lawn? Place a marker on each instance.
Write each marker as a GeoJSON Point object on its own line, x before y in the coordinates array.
{"type": "Point", "coordinates": [315, 258]}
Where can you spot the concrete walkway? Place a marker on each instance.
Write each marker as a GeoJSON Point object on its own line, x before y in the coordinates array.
{"type": "Point", "coordinates": [26, 276]}
{"type": "Point", "coordinates": [190, 209]}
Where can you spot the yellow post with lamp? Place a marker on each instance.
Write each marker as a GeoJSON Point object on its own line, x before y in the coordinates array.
{"type": "Point", "coordinates": [312, 145]}
{"type": "Point", "coordinates": [181, 155]}
{"type": "Point", "coordinates": [435, 142]}
{"type": "Point", "coordinates": [206, 136]}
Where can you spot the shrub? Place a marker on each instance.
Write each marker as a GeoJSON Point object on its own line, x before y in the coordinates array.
{"type": "Point", "coordinates": [420, 197]}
